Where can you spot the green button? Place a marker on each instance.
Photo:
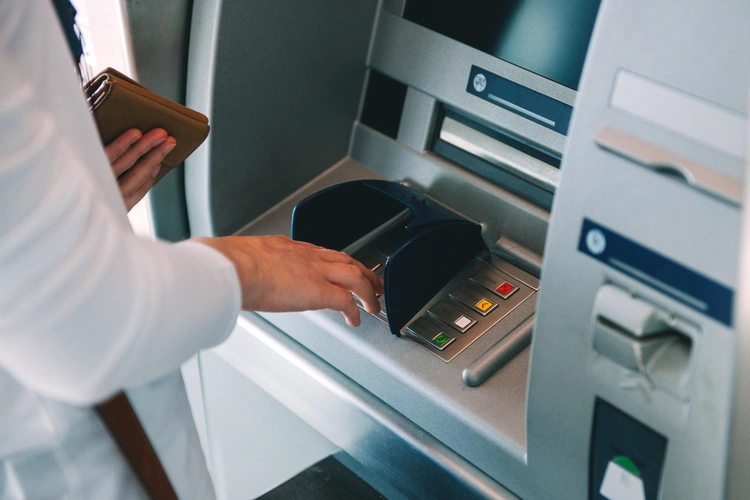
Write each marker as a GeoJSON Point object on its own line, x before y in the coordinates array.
{"type": "Point", "coordinates": [441, 339]}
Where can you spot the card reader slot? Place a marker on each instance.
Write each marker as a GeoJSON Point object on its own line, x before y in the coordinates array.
{"type": "Point", "coordinates": [672, 165]}
{"type": "Point", "coordinates": [646, 339]}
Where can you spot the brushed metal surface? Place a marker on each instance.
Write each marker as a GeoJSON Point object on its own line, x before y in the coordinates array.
{"type": "Point", "coordinates": [660, 160]}
{"type": "Point", "coordinates": [501, 155]}
{"type": "Point", "coordinates": [483, 323]}
{"type": "Point", "coordinates": [520, 255]}
{"type": "Point", "coordinates": [439, 67]}
{"type": "Point", "coordinates": [737, 479]}
{"type": "Point", "coordinates": [418, 120]}
{"type": "Point", "coordinates": [410, 380]}
{"type": "Point", "coordinates": [464, 192]}
{"type": "Point", "coordinates": [506, 349]}
{"type": "Point", "coordinates": [376, 435]}
{"type": "Point", "coordinates": [281, 93]}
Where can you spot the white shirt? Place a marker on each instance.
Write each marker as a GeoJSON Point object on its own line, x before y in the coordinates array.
{"type": "Point", "coordinates": [86, 307]}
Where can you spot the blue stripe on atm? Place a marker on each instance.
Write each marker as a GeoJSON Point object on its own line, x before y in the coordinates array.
{"type": "Point", "coordinates": [523, 101]}
{"type": "Point", "coordinates": [657, 271]}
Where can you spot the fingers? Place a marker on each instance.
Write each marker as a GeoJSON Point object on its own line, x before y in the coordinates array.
{"type": "Point", "coordinates": [138, 177]}
{"type": "Point", "coordinates": [117, 148]}
{"type": "Point", "coordinates": [344, 302]}
{"type": "Point", "coordinates": [147, 143]}
{"type": "Point", "coordinates": [132, 199]}
{"type": "Point", "coordinates": [136, 160]}
{"type": "Point", "coordinates": [351, 278]}
{"type": "Point", "coordinates": [145, 168]}
{"type": "Point", "coordinates": [277, 274]}
{"type": "Point", "coordinates": [334, 256]}
{"type": "Point", "coordinates": [375, 281]}
{"type": "Point", "coordinates": [351, 315]}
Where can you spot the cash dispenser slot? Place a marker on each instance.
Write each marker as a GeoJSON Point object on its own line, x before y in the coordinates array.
{"type": "Point", "coordinates": [441, 287]}
{"type": "Point", "coordinates": [644, 338]}
{"type": "Point", "coordinates": [528, 168]}
{"type": "Point", "coordinates": [499, 156]}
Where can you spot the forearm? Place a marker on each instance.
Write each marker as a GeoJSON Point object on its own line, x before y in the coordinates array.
{"type": "Point", "coordinates": [279, 274]}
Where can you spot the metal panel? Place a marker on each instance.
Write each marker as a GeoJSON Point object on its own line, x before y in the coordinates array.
{"type": "Point", "coordinates": [685, 114]}
{"type": "Point", "coordinates": [281, 93]}
{"type": "Point", "coordinates": [738, 480]}
{"type": "Point", "coordinates": [485, 147]}
{"type": "Point", "coordinates": [440, 67]}
{"type": "Point", "coordinates": [500, 211]}
{"type": "Point", "coordinates": [418, 120]}
{"type": "Point", "coordinates": [256, 443]}
{"type": "Point", "coordinates": [409, 379]}
{"type": "Point", "coordinates": [698, 52]}
{"type": "Point", "coordinates": [379, 437]}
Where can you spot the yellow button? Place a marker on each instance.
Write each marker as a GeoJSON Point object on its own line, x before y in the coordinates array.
{"type": "Point", "coordinates": [484, 305]}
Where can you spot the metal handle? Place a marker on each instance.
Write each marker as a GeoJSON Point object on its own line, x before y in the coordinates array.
{"type": "Point", "coordinates": [499, 354]}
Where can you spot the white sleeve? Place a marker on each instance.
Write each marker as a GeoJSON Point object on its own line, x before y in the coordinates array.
{"type": "Point", "coordinates": [86, 307]}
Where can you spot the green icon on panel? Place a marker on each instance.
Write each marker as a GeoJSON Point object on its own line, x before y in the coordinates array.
{"type": "Point", "coordinates": [441, 339]}
{"type": "Point", "coordinates": [622, 480]}
{"type": "Point", "coordinates": [627, 464]}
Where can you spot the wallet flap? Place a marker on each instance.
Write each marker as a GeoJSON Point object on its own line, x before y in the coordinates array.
{"type": "Point", "coordinates": [99, 87]}
{"type": "Point", "coordinates": [121, 76]}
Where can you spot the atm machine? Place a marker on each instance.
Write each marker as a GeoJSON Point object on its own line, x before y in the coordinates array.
{"type": "Point", "coordinates": [552, 192]}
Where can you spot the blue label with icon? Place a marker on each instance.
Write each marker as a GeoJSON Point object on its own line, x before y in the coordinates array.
{"type": "Point", "coordinates": [520, 100]}
{"type": "Point", "coordinates": [657, 271]}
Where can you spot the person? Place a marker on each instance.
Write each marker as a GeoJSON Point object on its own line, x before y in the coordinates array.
{"type": "Point", "coordinates": [87, 308]}
{"type": "Point", "coordinates": [136, 159]}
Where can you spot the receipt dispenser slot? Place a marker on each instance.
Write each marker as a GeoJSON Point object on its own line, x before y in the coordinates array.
{"type": "Point", "coordinates": [644, 338]}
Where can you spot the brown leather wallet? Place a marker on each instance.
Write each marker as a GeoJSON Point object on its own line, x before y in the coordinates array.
{"type": "Point", "coordinates": [119, 103]}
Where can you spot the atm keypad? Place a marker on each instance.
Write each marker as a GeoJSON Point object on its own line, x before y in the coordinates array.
{"type": "Point", "coordinates": [495, 283]}
{"type": "Point", "coordinates": [479, 297]}
{"type": "Point", "coordinates": [472, 303]}
{"type": "Point", "coordinates": [452, 315]}
{"type": "Point", "coordinates": [432, 333]}
{"type": "Point", "coordinates": [475, 298]}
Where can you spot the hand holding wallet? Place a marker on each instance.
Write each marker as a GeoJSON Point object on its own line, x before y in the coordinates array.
{"type": "Point", "coordinates": [119, 103]}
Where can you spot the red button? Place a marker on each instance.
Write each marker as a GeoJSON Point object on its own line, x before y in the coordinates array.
{"type": "Point", "coordinates": [505, 288]}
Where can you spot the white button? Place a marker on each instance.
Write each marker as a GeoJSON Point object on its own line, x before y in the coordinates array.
{"type": "Point", "coordinates": [462, 322]}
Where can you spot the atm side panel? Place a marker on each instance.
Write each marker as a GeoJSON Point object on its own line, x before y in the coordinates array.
{"type": "Point", "coordinates": [632, 359]}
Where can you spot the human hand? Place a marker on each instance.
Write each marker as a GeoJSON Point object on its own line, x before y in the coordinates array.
{"type": "Point", "coordinates": [136, 160]}
{"type": "Point", "coordinates": [279, 274]}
